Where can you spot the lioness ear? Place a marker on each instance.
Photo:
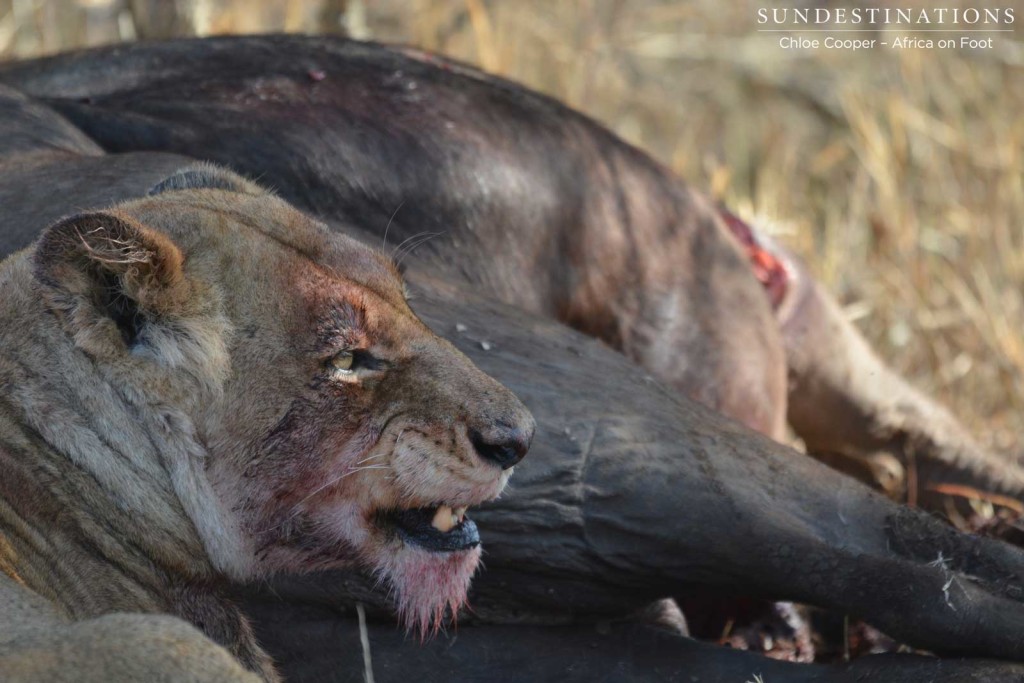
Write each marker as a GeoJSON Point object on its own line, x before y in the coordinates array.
{"type": "Point", "coordinates": [109, 276]}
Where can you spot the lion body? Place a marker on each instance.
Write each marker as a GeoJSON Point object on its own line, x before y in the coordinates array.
{"type": "Point", "coordinates": [82, 597]}
{"type": "Point", "coordinates": [170, 419]}
{"type": "Point", "coordinates": [38, 643]}
{"type": "Point", "coordinates": [103, 513]}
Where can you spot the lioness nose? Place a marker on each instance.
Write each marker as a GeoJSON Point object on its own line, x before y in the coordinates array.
{"type": "Point", "coordinates": [504, 446]}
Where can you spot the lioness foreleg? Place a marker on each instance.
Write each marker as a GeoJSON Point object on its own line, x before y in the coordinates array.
{"type": "Point", "coordinates": [39, 645]}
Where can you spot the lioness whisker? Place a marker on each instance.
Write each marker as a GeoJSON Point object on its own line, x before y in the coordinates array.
{"type": "Point", "coordinates": [372, 457]}
{"type": "Point", "coordinates": [409, 244]}
{"type": "Point", "coordinates": [370, 467]}
{"type": "Point", "coordinates": [387, 227]}
{"type": "Point", "coordinates": [404, 242]}
{"type": "Point", "coordinates": [294, 512]}
{"type": "Point", "coordinates": [412, 247]}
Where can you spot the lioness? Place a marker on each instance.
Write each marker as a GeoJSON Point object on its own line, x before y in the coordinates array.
{"type": "Point", "coordinates": [207, 384]}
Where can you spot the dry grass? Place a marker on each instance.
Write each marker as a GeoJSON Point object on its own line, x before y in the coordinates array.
{"type": "Point", "coordinates": [898, 175]}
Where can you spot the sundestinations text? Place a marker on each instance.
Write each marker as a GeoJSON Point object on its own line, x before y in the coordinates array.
{"type": "Point", "coordinates": [886, 15]}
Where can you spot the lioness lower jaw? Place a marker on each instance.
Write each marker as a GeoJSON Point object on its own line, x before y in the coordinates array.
{"type": "Point", "coordinates": [428, 585]}
{"type": "Point", "coordinates": [424, 556]}
{"type": "Point", "coordinates": [430, 572]}
{"type": "Point", "coordinates": [427, 557]}
{"type": "Point", "coordinates": [426, 572]}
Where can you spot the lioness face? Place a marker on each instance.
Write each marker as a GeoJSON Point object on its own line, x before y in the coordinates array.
{"type": "Point", "coordinates": [345, 432]}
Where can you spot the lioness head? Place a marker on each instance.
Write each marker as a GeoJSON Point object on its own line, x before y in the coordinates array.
{"type": "Point", "coordinates": [331, 426]}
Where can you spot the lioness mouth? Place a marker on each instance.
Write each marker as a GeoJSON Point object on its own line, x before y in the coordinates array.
{"type": "Point", "coordinates": [440, 528]}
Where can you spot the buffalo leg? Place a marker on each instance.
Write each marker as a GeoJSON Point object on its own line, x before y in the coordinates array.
{"type": "Point", "coordinates": [845, 403]}
{"type": "Point", "coordinates": [317, 645]}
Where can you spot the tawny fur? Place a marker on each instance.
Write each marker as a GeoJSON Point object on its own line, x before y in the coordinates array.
{"type": "Point", "coordinates": [169, 416]}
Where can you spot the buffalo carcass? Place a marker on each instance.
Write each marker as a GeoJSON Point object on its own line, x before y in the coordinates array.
{"type": "Point", "coordinates": [536, 206]}
{"type": "Point", "coordinates": [632, 493]}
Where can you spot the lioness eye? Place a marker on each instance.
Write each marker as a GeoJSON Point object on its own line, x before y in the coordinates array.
{"type": "Point", "coordinates": [343, 361]}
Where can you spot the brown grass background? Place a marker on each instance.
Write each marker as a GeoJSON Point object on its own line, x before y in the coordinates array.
{"type": "Point", "coordinates": [898, 175]}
